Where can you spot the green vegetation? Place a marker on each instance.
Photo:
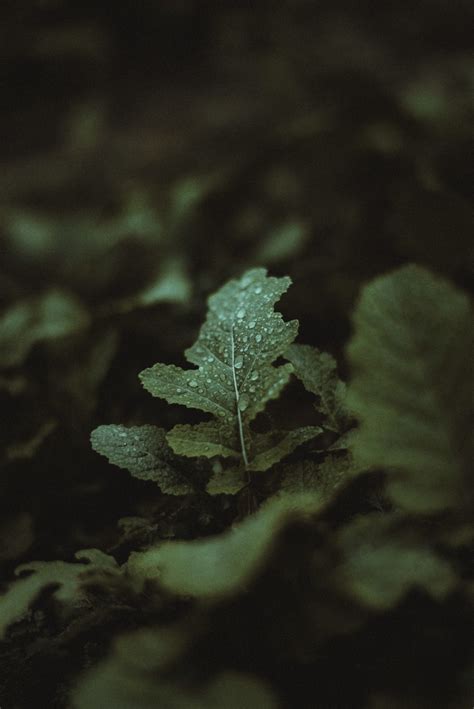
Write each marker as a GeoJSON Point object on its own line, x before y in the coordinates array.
{"type": "Point", "coordinates": [236, 356]}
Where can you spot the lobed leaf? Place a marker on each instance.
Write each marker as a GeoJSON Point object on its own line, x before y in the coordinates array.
{"type": "Point", "coordinates": [318, 373]}
{"type": "Point", "coordinates": [206, 439]}
{"type": "Point", "coordinates": [269, 448]}
{"type": "Point", "coordinates": [234, 354]}
{"type": "Point", "coordinates": [324, 478]}
{"type": "Point", "coordinates": [144, 451]}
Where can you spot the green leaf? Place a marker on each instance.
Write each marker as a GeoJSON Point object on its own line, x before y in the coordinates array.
{"type": "Point", "coordinates": [324, 478]}
{"type": "Point", "coordinates": [119, 682]}
{"type": "Point", "coordinates": [171, 284]}
{"type": "Point", "coordinates": [234, 355]}
{"type": "Point", "coordinates": [383, 562]}
{"type": "Point", "coordinates": [50, 316]}
{"type": "Point", "coordinates": [143, 451]}
{"type": "Point", "coordinates": [318, 373]}
{"type": "Point", "coordinates": [88, 369]}
{"type": "Point", "coordinates": [206, 439]}
{"type": "Point", "coordinates": [228, 481]}
{"type": "Point", "coordinates": [210, 439]}
{"type": "Point", "coordinates": [265, 449]}
{"type": "Point", "coordinates": [67, 577]}
{"type": "Point", "coordinates": [269, 448]}
{"type": "Point", "coordinates": [411, 356]}
{"type": "Point", "coordinates": [223, 565]}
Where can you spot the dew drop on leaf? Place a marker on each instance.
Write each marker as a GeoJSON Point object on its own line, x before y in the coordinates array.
{"type": "Point", "coordinates": [243, 403]}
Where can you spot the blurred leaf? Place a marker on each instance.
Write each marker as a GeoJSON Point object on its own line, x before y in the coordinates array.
{"type": "Point", "coordinates": [53, 315]}
{"type": "Point", "coordinates": [224, 565]}
{"type": "Point", "coordinates": [382, 563]}
{"type": "Point", "coordinates": [412, 355]}
{"type": "Point", "coordinates": [282, 243]}
{"type": "Point", "coordinates": [88, 369]}
{"type": "Point", "coordinates": [324, 478]}
{"type": "Point", "coordinates": [66, 577]}
{"type": "Point", "coordinates": [118, 683]}
{"type": "Point", "coordinates": [23, 450]}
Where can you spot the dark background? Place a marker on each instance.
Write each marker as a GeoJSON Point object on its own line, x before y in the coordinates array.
{"type": "Point", "coordinates": [326, 140]}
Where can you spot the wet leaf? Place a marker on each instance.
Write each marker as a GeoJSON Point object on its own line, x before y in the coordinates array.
{"type": "Point", "coordinates": [234, 354]}
{"type": "Point", "coordinates": [143, 451]}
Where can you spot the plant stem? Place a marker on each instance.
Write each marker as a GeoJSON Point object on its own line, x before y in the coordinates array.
{"type": "Point", "coordinates": [237, 397]}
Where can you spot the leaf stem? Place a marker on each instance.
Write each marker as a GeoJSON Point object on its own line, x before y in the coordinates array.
{"type": "Point", "coordinates": [237, 398]}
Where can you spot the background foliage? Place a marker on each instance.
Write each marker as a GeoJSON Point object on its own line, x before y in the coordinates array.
{"type": "Point", "coordinates": [151, 152]}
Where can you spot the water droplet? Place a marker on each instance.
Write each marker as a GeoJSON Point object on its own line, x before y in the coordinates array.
{"type": "Point", "coordinates": [258, 338]}
{"type": "Point", "coordinates": [241, 313]}
{"type": "Point", "coordinates": [209, 380]}
{"type": "Point", "coordinates": [179, 390]}
{"type": "Point", "coordinates": [210, 358]}
{"type": "Point", "coordinates": [258, 290]}
{"type": "Point", "coordinates": [254, 376]}
{"type": "Point", "coordinates": [192, 383]}
{"type": "Point", "coordinates": [239, 360]}
{"type": "Point", "coordinates": [252, 324]}
{"type": "Point", "coordinates": [243, 403]}
{"type": "Point", "coordinates": [201, 391]}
